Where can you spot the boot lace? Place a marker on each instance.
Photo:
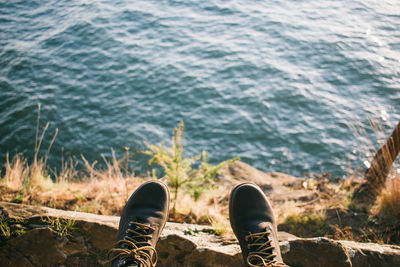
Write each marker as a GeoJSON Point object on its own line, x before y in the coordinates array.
{"type": "Point", "coordinates": [261, 251]}
{"type": "Point", "coordinates": [136, 246]}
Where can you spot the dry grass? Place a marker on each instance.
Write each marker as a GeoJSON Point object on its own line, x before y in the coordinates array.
{"type": "Point", "coordinates": [105, 191]}
{"type": "Point", "coordinates": [92, 190]}
{"type": "Point", "coordinates": [388, 203]}
{"type": "Point", "coordinates": [380, 166]}
{"type": "Point", "coordinates": [16, 173]}
{"type": "Point", "coordinates": [102, 192]}
{"type": "Point", "coordinates": [210, 208]}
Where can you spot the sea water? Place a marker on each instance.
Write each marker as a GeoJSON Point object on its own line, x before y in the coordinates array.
{"type": "Point", "coordinates": [276, 83]}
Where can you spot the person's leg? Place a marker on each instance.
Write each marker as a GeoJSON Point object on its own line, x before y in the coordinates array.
{"type": "Point", "coordinates": [140, 226]}
{"type": "Point", "coordinates": [254, 225]}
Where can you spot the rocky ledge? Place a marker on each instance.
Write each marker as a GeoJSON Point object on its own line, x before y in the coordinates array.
{"type": "Point", "coordinates": [39, 236]}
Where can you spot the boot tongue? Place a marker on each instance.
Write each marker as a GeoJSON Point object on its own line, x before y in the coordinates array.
{"type": "Point", "coordinates": [266, 226]}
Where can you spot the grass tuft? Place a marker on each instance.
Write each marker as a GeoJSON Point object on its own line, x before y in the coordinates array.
{"type": "Point", "coordinates": [388, 203]}
{"type": "Point", "coordinates": [16, 173]}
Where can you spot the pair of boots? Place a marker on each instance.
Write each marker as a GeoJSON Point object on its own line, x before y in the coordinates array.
{"type": "Point", "coordinates": [146, 213]}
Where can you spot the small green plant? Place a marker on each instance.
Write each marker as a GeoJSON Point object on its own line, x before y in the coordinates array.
{"type": "Point", "coordinates": [11, 227]}
{"type": "Point", "coordinates": [206, 174]}
{"type": "Point", "coordinates": [19, 198]}
{"type": "Point", "coordinates": [5, 228]}
{"type": "Point", "coordinates": [309, 224]}
{"type": "Point", "coordinates": [178, 169]}
{"type": "Point", "coordinates": [19, 232]}
{"type": "Point", "coordinates": [62, 227]}
{"type": "Point", "coordinates": [191, 231]}
{"type": "Point", "coordinates": [219, 227]}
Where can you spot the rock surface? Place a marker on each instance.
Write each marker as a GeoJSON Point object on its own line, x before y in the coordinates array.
{"type": "Point", "coordinates": [48, 241]}
{"type": "Point", "coordinates": [277, 186]}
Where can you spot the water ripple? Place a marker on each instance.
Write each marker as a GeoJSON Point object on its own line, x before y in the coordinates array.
{"type": "Point", "coordinates": [275, 83]}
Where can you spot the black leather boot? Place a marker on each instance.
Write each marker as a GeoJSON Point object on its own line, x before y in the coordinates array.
{"type": "Point", "coordinates": [140, 226]}
{"type": "Point", "coordinates": [253, 223]}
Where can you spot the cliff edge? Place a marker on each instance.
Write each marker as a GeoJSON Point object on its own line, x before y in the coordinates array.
{"type": "Point", "coordinates": [40, 236]}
